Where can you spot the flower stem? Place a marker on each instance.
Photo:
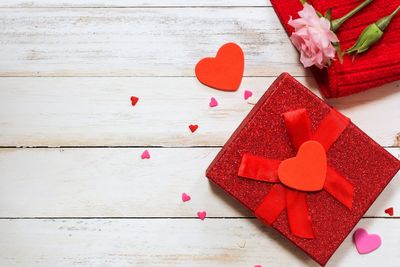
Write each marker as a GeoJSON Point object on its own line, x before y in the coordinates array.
{"type": "Point", "coordinates": [384, 22]}
{"type": "Point", "coordinates": [335, 24]}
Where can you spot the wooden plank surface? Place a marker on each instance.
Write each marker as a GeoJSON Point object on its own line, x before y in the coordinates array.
{"type": "Point", "coordinates": [144, 242]}
{"type": "Point", "coordinates": [67, 71]}
{"type": "Point", "coordinates": [132, 3]}
{"type": "Point", "coordinates": [116, 182]}
{"type": "Point", "coordinates": [139, 41]}
{"type": "Point", "coordinates": [97, 111]}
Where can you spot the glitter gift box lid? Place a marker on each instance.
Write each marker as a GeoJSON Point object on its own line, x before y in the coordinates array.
{"type": "Point", "coordinates": [365, 164]}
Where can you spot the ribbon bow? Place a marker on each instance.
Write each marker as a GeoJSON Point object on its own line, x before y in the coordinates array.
{"type": "Point", "coordinates": [281, 196]}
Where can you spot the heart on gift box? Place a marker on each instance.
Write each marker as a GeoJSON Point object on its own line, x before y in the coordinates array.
{"type": "Point", "coordinates": [225, 71]}
{"type": "Point", "coordinates": [366, 243]}
{"type": "Point", "coordinates": [306, 171]}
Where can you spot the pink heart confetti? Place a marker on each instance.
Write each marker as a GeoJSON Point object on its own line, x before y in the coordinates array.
{"type": "Point", "coordinates": [201, 215]}
{"type": "Point", "coordinates": [145, 154]}
{"type": "Point", "coordinates": [257, 266]}
{"type": "Point", "coordinates": [213, 102]}
{"type": "Point", "coordinates": [247, 94]}
{"type": "Point", "coordinates": [366, 243]}
{"type": "Point", "coordinates": [185, 197]}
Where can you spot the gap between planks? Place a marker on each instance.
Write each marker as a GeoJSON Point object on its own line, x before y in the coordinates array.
{"type": "Point", "coordinates": [132, 7]}
{"type": "Point", "coordinates": [158, 218]}
{"type": "Point", "coordinates": [127, 147]}
{"type": "Point", "coordinates": [131, 3]}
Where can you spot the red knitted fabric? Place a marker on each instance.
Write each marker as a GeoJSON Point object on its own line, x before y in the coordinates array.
{"type": "Point", "coordinates": [379, 65]}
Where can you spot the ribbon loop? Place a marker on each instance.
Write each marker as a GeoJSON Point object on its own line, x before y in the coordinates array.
{"type": "Point", "coordinates": [259, 168]}
{"type": "Point", "coordinates": [279, 197]}
{"type": "Point", "coordinates": [298, 125]}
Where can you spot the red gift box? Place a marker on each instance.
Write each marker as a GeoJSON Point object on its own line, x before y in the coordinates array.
{"type": "Point", "coordinates": [358, 169]}
{"type": "Point", "coordinates": [379, 65]}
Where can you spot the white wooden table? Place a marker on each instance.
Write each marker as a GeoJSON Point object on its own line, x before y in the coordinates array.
{"type": "Point", "coordinates": [73, 189]}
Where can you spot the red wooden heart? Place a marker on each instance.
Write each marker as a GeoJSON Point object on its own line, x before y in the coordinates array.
{"type": "Point", "coordinates": [225, 71]}
{"type": "Point", "coordinates": [306, 171]}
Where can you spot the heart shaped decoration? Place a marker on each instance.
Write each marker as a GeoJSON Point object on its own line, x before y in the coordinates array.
{"type": "Point", "coordinates": [389, 211]}
{"type": "Point", "coordinates": [145, 154]}
{"type": "Point", "coordinates": [213, 102]}
{"type": "Point", "coordinates": [225, 71]}
{"type": "Point", "coordinates": [247, 94]}
{"type": "Point", "coordinates": [366, 243]}
{"type": "Point", "coordinates": [202, 215]}
{"type": "Point", "coordinates": [193, 127]}
{"type": "Point", "coordinates": [134, 100]}
{"type": "Point", "coordinates": [306, 171]}
{"type": "Point", "coordinates": [185, 197]}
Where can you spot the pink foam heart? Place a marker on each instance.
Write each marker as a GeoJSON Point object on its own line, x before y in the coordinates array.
{"type": "Point", "coordinates": [247, 94]}
{"type": "Point", "coordinates": [201, 215]}
{"type": "Point", "coordinates": [213, 102]}
{"type": "Point", "coordinates": [366, 243]}
{"type": "Point", "coordinates": [145, 154]}
{"type": "Point", "coordinates": [185, 197]}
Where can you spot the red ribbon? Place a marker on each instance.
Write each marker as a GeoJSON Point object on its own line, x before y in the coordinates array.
{"type": "Point", "coordinates": [280, 197]}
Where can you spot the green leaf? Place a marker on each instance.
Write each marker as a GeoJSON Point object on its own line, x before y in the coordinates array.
{"type": "Point", "coordinates": [303, 2]}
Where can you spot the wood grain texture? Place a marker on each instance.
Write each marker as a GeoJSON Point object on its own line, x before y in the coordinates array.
{"type": "Point", "coordinates": [132, 3]}
{"type": "Point", "coordinates": [116, 182]}
{"type": "Point", "coordinates": [139, 41]}
{"type": "Point", "coordinates": [127, 242]}
{"type": "Point", "coordinates": [97, 111]}
{"type": "Point", "coordinates": [120, 210]}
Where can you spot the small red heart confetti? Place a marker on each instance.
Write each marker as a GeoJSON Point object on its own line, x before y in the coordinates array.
{"type": "Point", "coordinates": [247, 94]}
{"type": "Point", "coordinates": [193, 127]}
{"type": "Point", "coordinates": [201, 215]}
{"type": "Point", "coordinates": [257, 266]}
{"type": "Point", "coordinates": [389, 211]}
{"type": "Point", "coordinates": [145, 154]}
{"type": "Point", "coordinates": [134, 100]}
{"type": "Point", "coordinates": [213, 102]}
{"type": "Point", "coordinates": [185, 197]}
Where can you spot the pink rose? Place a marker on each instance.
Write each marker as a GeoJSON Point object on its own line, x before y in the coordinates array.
{"type": "Point", "coordinates": [313, 37]}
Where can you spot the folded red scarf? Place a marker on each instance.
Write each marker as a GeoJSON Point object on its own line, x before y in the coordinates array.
{"type": "Point", "coordinates": [379, 65]}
